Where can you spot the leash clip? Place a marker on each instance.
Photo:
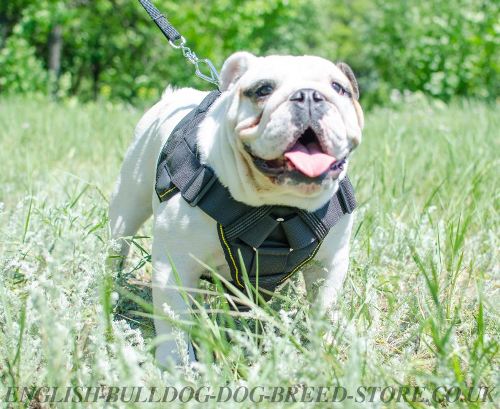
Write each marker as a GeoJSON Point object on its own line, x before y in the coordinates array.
{"type": "Point", "coordinates": [211, 76]}
{"type": "Point", "coordinates": [214, 75]}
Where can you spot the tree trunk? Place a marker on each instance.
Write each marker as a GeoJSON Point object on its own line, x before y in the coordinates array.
{"type": "Point", "coordinates": [3, 30]}
{"type": "Point", "coordinates": [55, 52]}
{"type": "Point", "coordinates": [96, 72]}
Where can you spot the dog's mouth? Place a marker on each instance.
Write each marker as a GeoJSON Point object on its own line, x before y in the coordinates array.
{"type": "Point", "coordinates": [305, 161]}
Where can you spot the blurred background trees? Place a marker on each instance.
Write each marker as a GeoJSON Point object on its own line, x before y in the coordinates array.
{"type": "Point", "coordinates": [109, 49]}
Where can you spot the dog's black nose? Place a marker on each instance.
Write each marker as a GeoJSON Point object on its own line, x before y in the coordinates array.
{"type": "Point", "coordinates": [307, 95]}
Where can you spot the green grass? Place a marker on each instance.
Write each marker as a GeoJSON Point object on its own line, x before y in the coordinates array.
{"type": "Point", "coordinates": [417, 308]}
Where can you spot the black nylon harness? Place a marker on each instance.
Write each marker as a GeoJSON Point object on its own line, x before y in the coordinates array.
{"type": "Point", "coordinates": [274, 241]}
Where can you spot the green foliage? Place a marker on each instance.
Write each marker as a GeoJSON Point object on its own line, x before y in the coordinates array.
{"type": "Point", "coordinates": [439, 47]}
{"type": "Point", "coordinates": [20, 70]}
{"type": "Point", "coordinates": [112, 50]}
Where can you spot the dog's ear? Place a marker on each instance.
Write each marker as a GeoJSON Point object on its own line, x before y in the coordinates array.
{"type": "Point", "coordinates": [350, 76]}
{"type": "Point", "coordinates": [234, 67]}
{"type": "Point", "coordinates": [355, 91]}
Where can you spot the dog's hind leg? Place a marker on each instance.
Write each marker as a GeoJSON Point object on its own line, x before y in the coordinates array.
{"type": "Point", "coordinates": [129, 209]}
{"type": "Point", "coordinates": [130, 204]}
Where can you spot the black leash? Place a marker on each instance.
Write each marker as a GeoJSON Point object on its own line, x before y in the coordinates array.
{"type": "Point", "coordinates": [176, 40]}
{"type": "Point", "coordinates": [166, 28]}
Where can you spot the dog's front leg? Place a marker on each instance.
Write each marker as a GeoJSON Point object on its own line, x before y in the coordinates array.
{"type": "Point", "coordinates": [324, 283]}
{"type": "Point", "coordinates": [180, 232]}
{"type": "Point", "coordinates": [171, 302]}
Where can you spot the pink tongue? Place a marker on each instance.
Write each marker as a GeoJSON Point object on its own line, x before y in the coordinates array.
{"type": "Point", "coordinates": [309, 160]}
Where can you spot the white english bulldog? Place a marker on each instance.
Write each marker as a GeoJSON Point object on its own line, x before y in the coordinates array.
{"type": "Point", "coordinates": [279, 134]}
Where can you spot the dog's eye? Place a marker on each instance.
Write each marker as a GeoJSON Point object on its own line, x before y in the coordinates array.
{"type": "Point", "coordinates": [264, 90]}
{"type": "Point", "coordinates": [339, 89]}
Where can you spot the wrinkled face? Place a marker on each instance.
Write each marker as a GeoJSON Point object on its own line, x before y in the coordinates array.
{"type": "Point", "coordinates": [297, 118]}
{"type": "Point", "coordinates": [286, 126]}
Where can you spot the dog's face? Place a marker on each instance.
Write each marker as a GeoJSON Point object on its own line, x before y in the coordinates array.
{"type": "Point", "coordinates": [292, 122]}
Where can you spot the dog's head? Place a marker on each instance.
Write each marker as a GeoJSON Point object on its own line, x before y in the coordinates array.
{"type": "Point", "coordinates": [290, 124]}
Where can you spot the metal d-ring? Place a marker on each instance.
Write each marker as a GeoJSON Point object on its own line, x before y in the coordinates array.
{"type": "Point", "coordinates": [181, 41]}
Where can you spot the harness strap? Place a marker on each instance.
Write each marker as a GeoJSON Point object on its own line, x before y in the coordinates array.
{"type": "Point", "coordinates": [247, 221]}
{"type": "Point", "coordinates": [323, 219]}
{"type": "Point", "coordinates": [172, 154]}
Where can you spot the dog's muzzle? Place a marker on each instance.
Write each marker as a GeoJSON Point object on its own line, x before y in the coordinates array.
{"type": "Point", "coordinates": [305, 161]}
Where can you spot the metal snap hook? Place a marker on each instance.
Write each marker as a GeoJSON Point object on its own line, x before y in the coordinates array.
{"type": "Point", "coordinates": [213, 76]}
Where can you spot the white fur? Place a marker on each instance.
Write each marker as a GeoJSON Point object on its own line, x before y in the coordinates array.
{"type": "Point", "coordinates": [181, 231]}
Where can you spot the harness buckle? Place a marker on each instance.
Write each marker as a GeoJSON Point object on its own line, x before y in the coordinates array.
{"type": "Point", "coordinates": [201, 182]}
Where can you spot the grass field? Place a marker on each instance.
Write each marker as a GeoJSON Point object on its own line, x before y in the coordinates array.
{"type": "Point", "coordinates": [419, 306]}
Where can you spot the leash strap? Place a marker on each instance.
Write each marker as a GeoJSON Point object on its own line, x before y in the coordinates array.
{"type": "Point", "coordinates": [166, 28]}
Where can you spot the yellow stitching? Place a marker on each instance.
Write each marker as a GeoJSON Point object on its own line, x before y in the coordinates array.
{"type": "Point", "coordinates": [167, 192]}
{"type": "Point", "coordinates": [230, 254]}
{"type": "Point", "coordinates": [301, 264]}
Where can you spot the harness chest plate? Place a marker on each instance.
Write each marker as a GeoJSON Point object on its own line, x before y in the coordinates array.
{"type": "Point", "coordinates": [267, 243]}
